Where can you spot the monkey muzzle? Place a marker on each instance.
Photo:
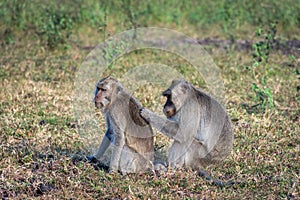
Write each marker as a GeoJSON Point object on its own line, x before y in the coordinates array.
{"type": "Point", "coordinates": [169, 108]}
{"type": "Point", "coordinates": [102, 104]}
{"type": "Point", "coordinates": [169, 111]}
{"type": "Point", "coordinates": [99, 105]}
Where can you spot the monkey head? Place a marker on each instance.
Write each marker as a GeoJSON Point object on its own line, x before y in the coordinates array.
{"type": "Point", "coordinates": [106, 91]}
{"type": "Point", "coordinates": [176, 95]}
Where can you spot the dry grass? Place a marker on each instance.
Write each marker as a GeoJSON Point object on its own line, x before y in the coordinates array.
{"type": "Point", "coordinates": [39, 135]}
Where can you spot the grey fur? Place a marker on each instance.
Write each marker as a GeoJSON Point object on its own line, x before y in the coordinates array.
{"type": "Point", "coordinates": [200, 127]}
{"type": "Point", "coordinates": [130, 134]}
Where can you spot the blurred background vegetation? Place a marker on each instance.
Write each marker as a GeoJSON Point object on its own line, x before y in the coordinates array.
{"type": "Point", "coordinates": [54, 21]}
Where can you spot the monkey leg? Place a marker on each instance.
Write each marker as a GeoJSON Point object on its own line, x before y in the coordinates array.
{"type": "Point", "coordinates": [128, 161]}
{"type": "Point", "coordinates": [133, 162]}
{"type": "Point", "coordinates": [177, 154]}
{"type": "Point", "coordinates": [188, 155]}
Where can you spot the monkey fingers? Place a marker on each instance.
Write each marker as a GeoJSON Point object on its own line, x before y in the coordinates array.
{"type": "Point", "coordinates": [145, 113]}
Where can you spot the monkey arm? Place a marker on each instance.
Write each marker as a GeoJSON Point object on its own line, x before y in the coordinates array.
{"type": "Point", "coordinates": [107, 139]}
{"type": "Point", "coordinates": [119, 141]}
{"type": "Point", "coordinates": [168, 127]}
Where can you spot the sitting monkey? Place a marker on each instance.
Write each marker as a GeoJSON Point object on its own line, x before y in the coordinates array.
{"type": "Point", "coordinates": [130, 134]}
{"type": "Point", "coordinates": [199, 125]}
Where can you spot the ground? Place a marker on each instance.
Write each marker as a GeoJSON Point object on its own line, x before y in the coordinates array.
{"type": "Point", "coordinates": [42, 151]}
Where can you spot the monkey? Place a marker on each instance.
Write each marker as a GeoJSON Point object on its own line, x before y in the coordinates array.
{"type": "Point", "coordinates": [130, 134]}
{"type": "Point", "coordinates": [199, 126]}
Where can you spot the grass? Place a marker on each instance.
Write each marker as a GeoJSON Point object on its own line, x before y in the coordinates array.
{"type": "Point", "coordinates": [39, 137]}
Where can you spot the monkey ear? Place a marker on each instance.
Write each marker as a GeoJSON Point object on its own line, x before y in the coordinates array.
{"type": "Point", "coordinates": [109, 77]}
{"type": "Point", "coordinates": [119, 88]}
{"type": "Point", "coordinates": [186, 86]}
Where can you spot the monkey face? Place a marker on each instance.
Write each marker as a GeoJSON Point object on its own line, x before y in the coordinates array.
{"type": "Point", "coordinates": [103, 94]}
{"type": "Point", "coordinates": [176, 95]}
{"type": "Point", "coordinates": [106, 92]}
{"type": "Point", "coordinates": [102, 98]}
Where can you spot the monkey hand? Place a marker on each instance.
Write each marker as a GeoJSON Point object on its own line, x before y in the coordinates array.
{"type": "Point", "coordinates": [145, 113]}
{"type": "Point", "coordinates": [92, 159]}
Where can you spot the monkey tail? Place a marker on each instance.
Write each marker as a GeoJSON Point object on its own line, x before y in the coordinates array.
{"type": "Point", "coordinates": [221, 184]}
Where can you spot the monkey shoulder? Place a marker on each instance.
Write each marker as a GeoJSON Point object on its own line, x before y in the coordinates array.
{"type": "Point", "coordinates": [202, 97]}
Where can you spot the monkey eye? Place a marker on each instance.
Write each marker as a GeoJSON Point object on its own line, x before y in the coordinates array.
{"type": "Point", "coordinates": [101, 89]}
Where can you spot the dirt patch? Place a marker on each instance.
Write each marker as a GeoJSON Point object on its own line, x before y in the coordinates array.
{"type": "Point", "coordinates": [285, 47]}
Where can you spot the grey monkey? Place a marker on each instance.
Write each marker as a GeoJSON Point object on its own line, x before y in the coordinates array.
{"type": "Point", "coordinates": [199, 125]}
{"type": "Point", "coordinates": [130, 134]}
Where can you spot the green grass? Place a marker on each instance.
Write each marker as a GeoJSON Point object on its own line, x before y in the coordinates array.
{"type": "Point", "coordinates": [38, 63]}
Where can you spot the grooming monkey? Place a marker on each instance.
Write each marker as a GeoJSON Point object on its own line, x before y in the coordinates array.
{"type": "Point", "coordinates": [199, 125]}
{"type": "Point", "coordinates": [130, 134]}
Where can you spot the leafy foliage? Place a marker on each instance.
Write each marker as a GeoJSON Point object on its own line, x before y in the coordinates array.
{"type": "Point", "coordinates": [57, 28]}
{"type": "Point", "coordinates": [262, 48]}
{"type": "Point", "coordinates": [57, 19]}
{"type": "Point", "coordinates": [263, 96]}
